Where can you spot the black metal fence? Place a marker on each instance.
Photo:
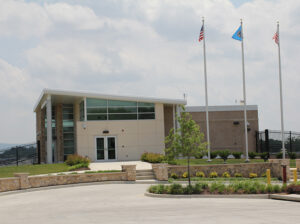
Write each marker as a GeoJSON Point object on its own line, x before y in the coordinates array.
{"type": "Point", "coordinates": [19, 155]}
{"type": "Point", "coordinates": [270, 141]}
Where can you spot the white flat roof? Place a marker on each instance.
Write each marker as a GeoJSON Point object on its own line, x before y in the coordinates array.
{"type": "Point", "coordinates": [220, 108]}
{"type": "Point", "coordinates": [68, 96]}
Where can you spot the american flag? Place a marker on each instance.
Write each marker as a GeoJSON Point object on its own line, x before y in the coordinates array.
{"type": "Point", "coordinates": [201, 36]}
{"type": "Point", "coordinates": [276, 37]}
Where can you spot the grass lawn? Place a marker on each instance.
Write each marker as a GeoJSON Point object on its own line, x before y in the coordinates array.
{"type": "Point", "coordinates": [221, 161]}
{"type": "Point", "coordinates": [8, 171]}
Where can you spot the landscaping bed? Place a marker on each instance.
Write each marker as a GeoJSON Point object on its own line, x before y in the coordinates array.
{"type": "Point", "coordinates": [240, 187]}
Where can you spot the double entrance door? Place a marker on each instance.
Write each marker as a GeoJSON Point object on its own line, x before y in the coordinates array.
{"type": "Point", "coordinates": [106, 148]}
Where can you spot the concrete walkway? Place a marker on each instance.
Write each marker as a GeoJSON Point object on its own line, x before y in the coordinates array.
{"type": "Point", "coordinates": [117, 165]}
{"type": "Point", "coordinates": [126, 203]}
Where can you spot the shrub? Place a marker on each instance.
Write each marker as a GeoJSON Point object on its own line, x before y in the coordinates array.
{"type": "Point", "coordinates": [238, 175]}
{"type": "Point", "coordinates": [264, 174]}
{"type": "Point", "coordinates": [226, 175]}
{"type": "Point", "coordinates": [213, 175]}
{"type": "Point", "coordinates": [213, 155]}
{"type": "Point", "coordinates": [269, 188]}
{"type": "Point", "coordinates": [264, 155]}
{"type": "Point", "coordinates": [252, 155]}
{"type": "Point", "coordinates": [276, 188]}
{"type": "Point", "coordinates": [237, 155]}
{"type": "Point", "coordinates": [224, 154]}
{"type": "Point", "coordinates": [198, 188]}
{"type": "Point", "coordinates": [292, 155]}
{"type": "Point", "coordinates": [185, 175]}
{"type": "Point", "coordinates": [77, 159]}
{"type": "Point", "coordinates": [199, 156]}
{"type": "Point", "coordinates": [175, 189]}
{"type": "Point", "coordinates": [174, 175]}
{"type": "Point", "coordinates": [252, 175]}
{"type": "Point", "coordinates": [279, 155]}
{"type": "Point", "coordinates": [152, 157]}
{"type": "Point", "coordinates": [200, 174]}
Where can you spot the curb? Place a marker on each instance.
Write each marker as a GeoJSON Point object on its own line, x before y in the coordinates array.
{"type": "Point", "coordinates": [290, 197]}
{"type": "Point", "coordinates": [245, 196]}
{"type": "Point", "coordinates": [77, 185]}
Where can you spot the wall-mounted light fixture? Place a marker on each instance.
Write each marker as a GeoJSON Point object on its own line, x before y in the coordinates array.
{"type": "Point", "coordinates": [105, 131]}
{"type": "Point", "coordinates": [84, 126]}
{"type": "Point", "coordinates": [236, 122]}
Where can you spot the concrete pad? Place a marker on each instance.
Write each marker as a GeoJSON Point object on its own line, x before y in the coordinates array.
{"type": "Point", "coordinates": [126, 203]}
{"type": "Point", "coordinates": [117, 165]}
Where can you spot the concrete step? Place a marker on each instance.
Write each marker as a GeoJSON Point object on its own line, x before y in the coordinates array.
{"type": "Point", "coordinates": [148, 177]}
{"type": "Point", "coordinates": [144, 173]}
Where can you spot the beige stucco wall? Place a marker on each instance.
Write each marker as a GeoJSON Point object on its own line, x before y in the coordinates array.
{"type": "Point", "coordinates": [133, 137]}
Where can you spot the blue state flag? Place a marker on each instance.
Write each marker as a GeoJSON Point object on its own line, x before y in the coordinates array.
{"type": "Point", "coordinates": [238, 34]}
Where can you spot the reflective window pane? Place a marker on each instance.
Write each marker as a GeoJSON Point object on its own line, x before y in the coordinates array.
{"type": "Point", "coordinates": [122, 116]}
{"type": "Point", "coordinates": [146, 109]}
{"type": "Point", "coordinates": [141, 104]}
{"type": "Point", "coordinates": [121, 103]}
{"type": "Point", "coordinates": [120, 110]}
{"type": "Point", "coordinates": [96, 117]}
{"type": "Point", "coordinates": [99, 110]}
{"type": "Point", "coordinates": [146, 116]}
{"type": "Point", "coordinates": [90, 102]}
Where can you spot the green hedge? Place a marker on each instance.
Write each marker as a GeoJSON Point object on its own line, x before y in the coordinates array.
{"type": "Point", "coordinates": [152, 157]}
{"type": "Point", "coordinates": [241, 187]}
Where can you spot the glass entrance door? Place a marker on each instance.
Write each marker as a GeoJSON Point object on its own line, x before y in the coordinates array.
{"type": "Point", "coordinates": [106, 148]}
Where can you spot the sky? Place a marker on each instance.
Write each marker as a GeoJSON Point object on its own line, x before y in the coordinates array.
{"type": "Point", "coordinates": [147, 48]}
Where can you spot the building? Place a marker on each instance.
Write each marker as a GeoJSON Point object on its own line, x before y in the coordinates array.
{"type": "Point", "coordinates": [107, 127]}
{"type": "Point", "coordinates": [226, 124]}
{"type": "Point", "coordinates": [101, 127]}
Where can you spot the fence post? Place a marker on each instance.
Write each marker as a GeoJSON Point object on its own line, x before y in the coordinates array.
{"type": "Point", "coordinates": [17, 156]}
{"type": "Point", "coordinates": [291, 148]}
{"type": "Point", "coordinates": [267, 141]}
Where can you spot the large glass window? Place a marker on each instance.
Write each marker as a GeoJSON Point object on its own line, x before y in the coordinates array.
{"type": "Point", "coordinates": [68, 129]}
{"type": "Point", "coordinates": [81, 110]}
{"type": "Point", "coordinates": [99, 109]}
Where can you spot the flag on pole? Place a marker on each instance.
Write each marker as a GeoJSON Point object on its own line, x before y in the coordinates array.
{"type": "Point", "coordinates": [201, 36]}
{"type": "Point", "coordinates": [276, 37]}
{"type": "Point", "coordinates": [238, 34]}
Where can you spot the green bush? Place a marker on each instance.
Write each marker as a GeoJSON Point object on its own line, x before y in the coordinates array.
{"type": "Point", "coordinates": [199, 156]}
{"type": "Point", "coordinates": [264, 174]}
{"type": "Point", "coordinates": [152, 157]}
{"type": "Point", "coordinates": [238, 175]}
{"type": "Point", "coordinates": [292, 155]}
{"type": "Point", "coordinates": [226, 175]}
{"type": "Point", "coordinates": [200, 174]}
{"type": "Point", "coordinates": [224, 154]}
{"type": "Point", "coordinates": [213, 155]}
{"type": "Point", "coordinates": [175, 189]}
{"type": "Point", "coordinates": [213, 175]}
{"type": "Point", "coordinates": [237, 155]}
{"type": "Point", "coordinates": [172, 162]}
{"type": "Point", "coordinates": [279, 155]}
{"type": "Point", "coordinates": [252, 155]}
{"type": "Point", "coordinates": [77, 159]}
{"type": "Point", "coordinates": [174, 175]}
{"type": "Point", "coordinates": [264, 155]}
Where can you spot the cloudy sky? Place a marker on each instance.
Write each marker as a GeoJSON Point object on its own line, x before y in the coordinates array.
{"type": "Point", "coordinates": [146, 48]}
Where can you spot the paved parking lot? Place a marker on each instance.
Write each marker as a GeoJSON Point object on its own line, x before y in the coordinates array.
{"type": "Point", "coordinates": [125, 203]}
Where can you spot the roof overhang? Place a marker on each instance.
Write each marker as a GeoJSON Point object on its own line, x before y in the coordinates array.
{"type": "Point", "coordinates": [64, 96]}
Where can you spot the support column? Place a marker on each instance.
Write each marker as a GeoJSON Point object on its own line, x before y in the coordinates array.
{"type": "Point", "coordinates": [49, 130]}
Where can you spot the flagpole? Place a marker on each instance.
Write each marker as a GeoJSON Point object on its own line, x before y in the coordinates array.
{"type": "Point", "coordinates": [244, 93]}
{"type": "Point", "coordinates": [206, 95]}
{"type": "Point", "coordinates": [281, 101]}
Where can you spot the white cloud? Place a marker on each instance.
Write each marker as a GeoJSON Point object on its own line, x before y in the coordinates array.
{"type": "Point", "coordinates": [150, 48]}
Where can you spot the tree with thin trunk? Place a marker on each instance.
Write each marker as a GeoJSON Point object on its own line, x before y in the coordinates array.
{"type": "Point", "coordinates": [186, 141]}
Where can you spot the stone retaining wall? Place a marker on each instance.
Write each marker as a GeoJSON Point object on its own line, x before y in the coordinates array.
{"type": "Point", "coordinates": [23, 181]}
{"type": "Point", "coordinates": [244, 169]}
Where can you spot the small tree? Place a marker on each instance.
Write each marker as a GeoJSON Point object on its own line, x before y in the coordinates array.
{"type": "Point", "coordinates": [186, 141]}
